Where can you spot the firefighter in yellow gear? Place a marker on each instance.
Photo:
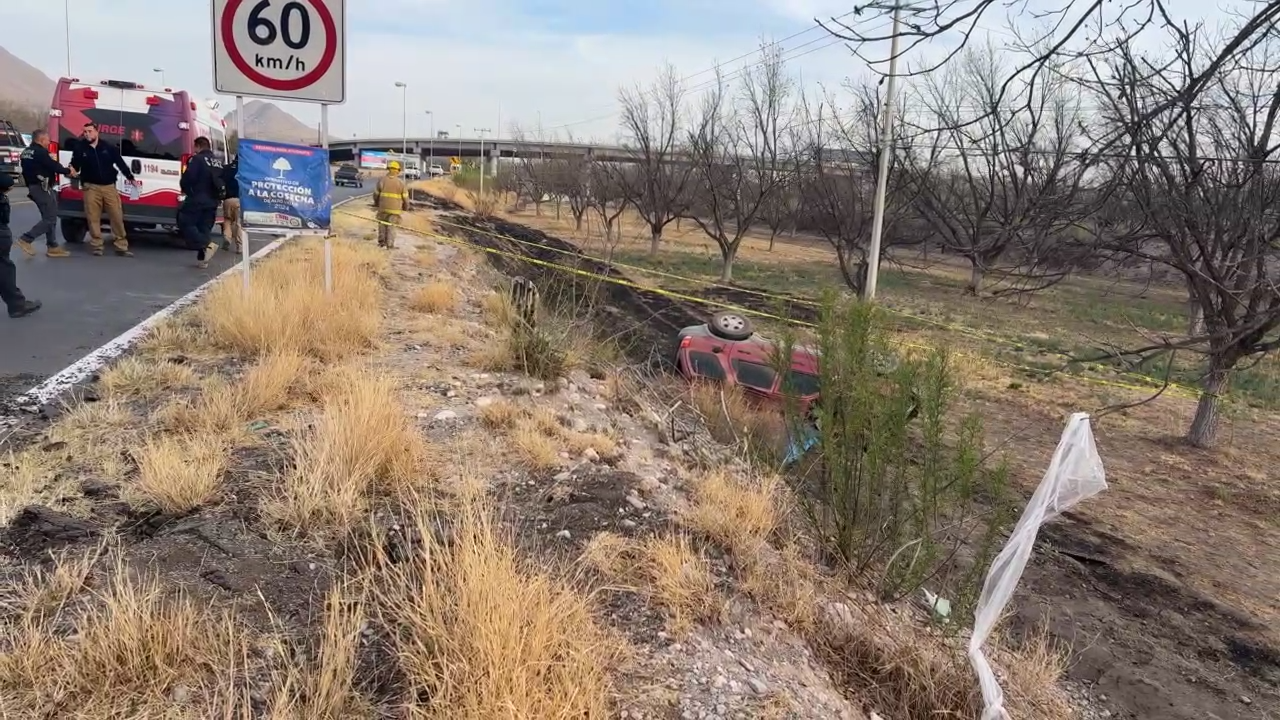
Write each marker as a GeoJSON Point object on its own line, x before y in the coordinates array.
{"type": "Point", "coordinates": [391, 198]}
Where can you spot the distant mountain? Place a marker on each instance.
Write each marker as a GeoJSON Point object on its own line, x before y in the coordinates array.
{"type": "Point", "coordinates": [266, 121]}
{"type": "Point", "coordinates": [25, 92]}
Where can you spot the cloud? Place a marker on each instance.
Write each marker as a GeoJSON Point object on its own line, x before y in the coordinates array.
{"type": "Point", "coordinates": [469, 63]}
{"type": "Point", "coordinates": [473, 64]}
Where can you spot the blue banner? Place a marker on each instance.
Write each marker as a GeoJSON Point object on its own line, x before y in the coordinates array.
{"type": "Point", "coordinates": [283, 187]}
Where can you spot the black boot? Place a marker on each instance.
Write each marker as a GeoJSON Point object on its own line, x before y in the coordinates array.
{"type": "Point", "coordinates": [26, 308]}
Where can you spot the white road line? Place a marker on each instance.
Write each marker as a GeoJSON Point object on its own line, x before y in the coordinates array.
{"type": "Point", "coordinates": [77, 372]}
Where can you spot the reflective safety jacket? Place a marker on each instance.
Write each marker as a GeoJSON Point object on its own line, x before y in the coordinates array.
{"type": "Point", "coordinates": [391, 195]}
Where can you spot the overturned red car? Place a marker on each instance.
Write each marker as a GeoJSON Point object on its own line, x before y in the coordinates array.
{"type": "Point", "coordinates": [727, 350]}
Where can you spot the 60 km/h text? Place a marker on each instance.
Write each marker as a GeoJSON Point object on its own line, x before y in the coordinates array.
{"type": "Point", "coordinates": [293, 62]}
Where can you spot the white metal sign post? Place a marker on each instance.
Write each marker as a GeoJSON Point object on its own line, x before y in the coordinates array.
{"type": "Point", "coordinates": [293, 50]}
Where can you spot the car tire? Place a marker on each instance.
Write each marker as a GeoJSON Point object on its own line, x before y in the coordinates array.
{"type": "Point", "coordinates": [731, 326]}
{"type": "Point", "coordinates": [74, 230]}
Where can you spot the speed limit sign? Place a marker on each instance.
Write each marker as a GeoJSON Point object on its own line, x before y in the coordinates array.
{"type": "Point", "coordinates": [280, 49]}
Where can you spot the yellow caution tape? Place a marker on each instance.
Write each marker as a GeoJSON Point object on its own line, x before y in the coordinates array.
{"type": "Point", "coordinates": [1145, 384]}
{"type": "Point", "coordinates": [1142, 381]}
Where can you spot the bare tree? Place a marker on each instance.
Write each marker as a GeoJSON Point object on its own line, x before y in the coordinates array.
{"type": "Point", "coordinates": [781, 209]}
{"type": "Point", "coordinates": [1000, 183]}
{"type": "Point", "coordinates": [532, 173]}
{"type": "Point", "coordinates": [652, 126]}
{"type": "Point", "coordinates": [1066, 30]}
{"type": "Point", "coordinates": [608, 198]}
{"type": "Point", "coordinates": [569, 179]}
{"type": "Point", "coordinates": [1202, 177]}
{"type": "Point", "coordinates": [737, 153]}
{"type": "Point", "coordinates": [837, 181]}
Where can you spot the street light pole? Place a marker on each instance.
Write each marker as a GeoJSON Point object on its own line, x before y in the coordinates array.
{"type": "Point", "coordinates": [404, 117]}
{"type": "Point", "coordinates": [431, 141]}
{"type": "Point", "coordinates": [66, 19]}
{"type": "Point", "coordinates": [480, 133]}
{"type": "Point", "coordinates": [882, 174]}
{"type": "Point", "coordinates": [161, 71]}
{"type": "Point", "coordinates": [459, 128]}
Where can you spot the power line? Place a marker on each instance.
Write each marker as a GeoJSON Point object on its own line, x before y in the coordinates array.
{"type": "Point", "coordinates": [743, 56]}
{"type": "Point", "coordinates": [826, 40]}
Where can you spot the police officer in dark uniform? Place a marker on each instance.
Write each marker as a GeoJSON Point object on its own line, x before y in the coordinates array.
{"type": "Point", "coordinates": [17, 303]}
{"type": "Point", "coordinates": [38, 170]}
{"type": "Point", "coordinates": [203, 187]}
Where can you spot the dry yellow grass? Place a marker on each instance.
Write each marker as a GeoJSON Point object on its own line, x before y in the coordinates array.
{"type": "Point", "coordinates": [679, 579]}
{"type": "Point", "coordinates": [144, 379]}
{"type": "Point", "coordinates": [483, 635]}
{"type": "Point", "coordinates": [611, 554]}
{"type": "Point", "coordinates": [539, 437]}
{"type": "Point", "coordinates": [740, 513]}
{"type": "Point", "coordinates": [434, 297]}
{"type": "Point", "coordinates": [362, 442]}
{"type": "Point", "coordinates": [29, 476]}
{"type": "Point", "coordinates": [498, 310]}
{"type": "Point", "coordinates": [426, 258]}
{"type": "Point", "coordinates": [224, 407]}
{"type": "Point", "coordinates": [91, 437]}
{"type": "Point", "coordinates": [288, 310]}
{"type": "Point", "coordinates": [178, 474]}
{"type": "Point", "coordinates": [323, 686]}
{"type": "Point", "coordinates": [731, 417]}
{"type": "Point", "coordinates": [537, 449]}
{"type": "Point", "coordinates": [133, 648]}
{"type": "Point", "coordinates": [500, 415]}
{"type": "Point", "coordinates": [174, 337]}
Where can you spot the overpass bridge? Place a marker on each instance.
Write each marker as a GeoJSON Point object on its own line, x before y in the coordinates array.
{"type": "Point", "coordinates": [439, 149]}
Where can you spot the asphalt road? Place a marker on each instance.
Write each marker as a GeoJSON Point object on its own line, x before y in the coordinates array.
{"type": "Point", "coordinates": [90, 300]}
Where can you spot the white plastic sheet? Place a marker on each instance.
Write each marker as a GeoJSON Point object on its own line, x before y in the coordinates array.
{"type": "Point", "coordinates": [1075, 473]}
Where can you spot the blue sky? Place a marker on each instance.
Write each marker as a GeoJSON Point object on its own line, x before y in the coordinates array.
{"type": "Point", "coordinates": [473, 64]}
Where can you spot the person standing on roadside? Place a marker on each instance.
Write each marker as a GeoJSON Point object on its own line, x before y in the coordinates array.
{"type": "Point", "coordinates": [17, 303]}
{"type": "Point", "coordinates": [96, 162]}
{"type": "Point", "coordinates": [203, 187]}
{"type": "Point", "coordinates": [38, 171]}
{"type": "Point", "coordinates": [231, 206]}
{"type": "Point", "coordinates": [391, 197]}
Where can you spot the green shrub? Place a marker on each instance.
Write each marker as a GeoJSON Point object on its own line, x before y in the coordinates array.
{"type": "Point", "coordinates": [898, 489]}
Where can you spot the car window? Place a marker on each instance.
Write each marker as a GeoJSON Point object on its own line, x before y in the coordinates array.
{"type": "Point", "coordinates": [706, 365]}
{"type": "Point", "coordinates": [142, 135]}
{"type": "Point", "coordinates": [754, 375]}
{"type": "Point", "coordinates": [799, 383]}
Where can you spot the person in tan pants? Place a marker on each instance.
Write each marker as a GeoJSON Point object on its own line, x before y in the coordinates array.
{"type": "Point", "coordinates": [97, 163]}
{"type": "Point", "coordinates": [231, 224]}
{"type": "Point", "coordinates": [105, 197]}
{"type": "Point", "coordinates": [231, 206]}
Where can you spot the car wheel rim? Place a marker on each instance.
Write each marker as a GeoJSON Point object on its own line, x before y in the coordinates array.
{"type": "Point", "coordinates": [733, 323]}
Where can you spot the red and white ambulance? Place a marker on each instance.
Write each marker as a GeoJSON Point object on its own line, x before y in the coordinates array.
{"type": "Point", "coordinates": [155, 129]}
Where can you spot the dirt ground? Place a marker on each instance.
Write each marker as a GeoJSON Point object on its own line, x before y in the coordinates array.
{"type": "Point", "coordinates": [351, 506]}
{"type": "Point", "coordinates": [1167, 586]}
{"type": "Point", "coordinates": [372, 505]}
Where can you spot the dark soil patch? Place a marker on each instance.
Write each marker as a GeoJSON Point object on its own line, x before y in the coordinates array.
{"type": "Point", "coordinates": [584, 502]}
{"type": "Point", "coordinates": [642, 319]}
{"type": "Point", "coordinates": [1152, 646]}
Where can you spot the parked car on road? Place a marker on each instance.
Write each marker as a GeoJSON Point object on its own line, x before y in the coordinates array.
{"type": "Point", "coordinates": [12, 143]}
{"type": "Point", "coordinates": [435, 171]}
{"type": "Point", "coordinates": [349, 175]}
